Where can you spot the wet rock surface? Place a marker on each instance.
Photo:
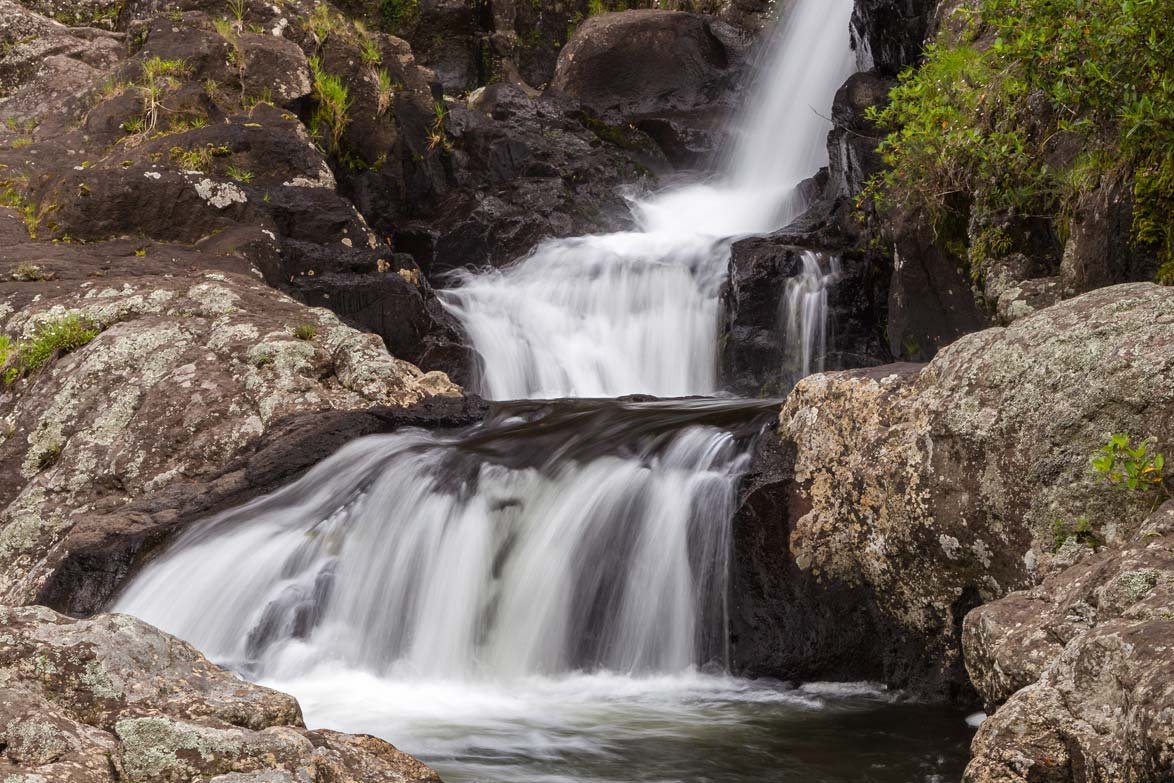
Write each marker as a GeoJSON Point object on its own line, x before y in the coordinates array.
{"type": "Point", "coordinates": [113, 699]}
{"type": "Point", "coordinates": [908, 495]}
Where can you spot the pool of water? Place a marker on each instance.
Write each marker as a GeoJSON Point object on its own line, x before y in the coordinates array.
{"type": "Point", "coordinates": [603, 728]}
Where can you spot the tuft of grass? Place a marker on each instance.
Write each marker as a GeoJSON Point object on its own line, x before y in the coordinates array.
{"type": "Point", "coordinates": [331, 114]}
{"type": "Point", "coordinates": [384, 90]}
{"type": "Point", "coordinates": [52, 338]}
{"type": "Point", "coordinates": [438, 133]}
{"type": "Point", "coordinates": [240, 175]}
{"type": "Point", "coordinates": [305, 331]}
{"type": "Point", "coordinates": [198, 158]}
{"type": "Point", "coordinates": [28, 273]}
{"type": "Point", "coordinates": [369, 51]}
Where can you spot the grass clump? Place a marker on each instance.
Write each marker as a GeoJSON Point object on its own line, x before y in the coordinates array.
{"type": "Point", "coordinates": [990, 120]}
{"type": "Point", "coordinates": [240, 175]}
{"type": "Point", "coordinates": [52, 338]}
{"type": "Point", "coordinates": [384, 90]}
{"type": "Point", "coordinates": [305, 331]}
{"type": "Point", "coordinates": [199, 159]}
{"type": "Point", "coordinates": [332, 104]}
{"type": "Point", "coordinates": [30, 273]}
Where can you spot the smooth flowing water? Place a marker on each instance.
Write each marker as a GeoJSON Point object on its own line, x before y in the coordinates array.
{"type": "Point", "coordinates": [543, 597]}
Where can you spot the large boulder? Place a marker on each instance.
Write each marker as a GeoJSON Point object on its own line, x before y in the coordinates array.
{"type": "Point", "coordinates": [1080, 671]}
{"type": "Point", "coordinates": [640, 58]}
{"type": "Point", "coordinates": [112, 699]}
{"type": "Point", "coordinates": [187, 370]}
{"type": "Point", "coordinates": [905, 496]}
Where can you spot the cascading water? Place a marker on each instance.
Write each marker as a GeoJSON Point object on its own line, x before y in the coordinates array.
{"type": "Point", "coordinates": [636, 312]}
{"type": "Point", "coordinates": [542, 597]}
{"type": "Point", "coordinates": [803, 315]}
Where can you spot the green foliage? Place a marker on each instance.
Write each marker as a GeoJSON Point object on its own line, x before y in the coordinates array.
{"type": "Point", "coordinates": [240, 175]}
{"type": "Point", "coordinates": [994, 121]}
{"type": "Point", "coordinates": [368, 48]}
{"type": "Point", "coordinates": [384, 90]}
{"type": "Point", "coordinates": [305, 331]}
{"type": "Point", "coordinates": [332, 107]}
{"type": "Point", "coordinates": [1133, 466]}
{"type": "Point", "coordinates": [50, 339]}
{"type": "Point", "coordinates": [438, 133]}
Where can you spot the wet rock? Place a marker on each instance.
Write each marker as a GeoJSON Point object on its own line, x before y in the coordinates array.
{"type": "Point", "coordinates": [113, 699]}
{"type": "Point", "coordinates": [889, 35]}
{"type": "Point", "coordinates": [853, 140]}
{"type": "Point", "coordinates": [923, 492]}
{"type": "Point", "coordinates": [1079, 669]}
{"type": "Point", "coordinates": [640, 59]}
{"type": "Point", "coordinates": [930, 299]}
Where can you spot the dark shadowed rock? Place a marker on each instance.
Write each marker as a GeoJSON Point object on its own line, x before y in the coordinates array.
{"type": "Point", "coordinates": [889, 35]}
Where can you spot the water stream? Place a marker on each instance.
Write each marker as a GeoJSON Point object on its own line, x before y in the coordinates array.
{"type": "Point", "coordinates": [542, 597]}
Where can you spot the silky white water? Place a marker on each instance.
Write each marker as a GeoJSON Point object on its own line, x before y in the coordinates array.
{"type": "Point", "coordinates": [803, 315]}
{"type": "Point", "coordinates": [543, 598]}
{"type": "Point", "coordinates": [637, 312]}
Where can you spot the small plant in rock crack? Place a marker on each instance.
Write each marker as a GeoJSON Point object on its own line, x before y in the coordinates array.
{"type": "Point", "coordinates": [438, 134]}
{"type": "Point", "coordinates": [305, 331]}
{"type": "Point", "coordinates": [1132, 466]}
{"type": "Point", "coordinates": [1079, 531]}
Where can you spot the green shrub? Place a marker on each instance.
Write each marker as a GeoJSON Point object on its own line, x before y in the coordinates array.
{"type": "Point", "coordinates": [988, 124]}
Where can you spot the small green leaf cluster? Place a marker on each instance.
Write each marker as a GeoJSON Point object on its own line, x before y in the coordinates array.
{"type": "Point", "coordinates": [332, 105]}
{"type": "Point", "coordinates": [1133, 466]}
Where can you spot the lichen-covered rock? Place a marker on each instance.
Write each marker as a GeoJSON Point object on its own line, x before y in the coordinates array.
{"type": "Point", "coordinates": [113, 699]}
{"type": "Point", "coordinates": [922, 492]}
{"type": "Point", "coordinates": [187, 371]}
{"type": "Point", "coordinates": [1080, 669]}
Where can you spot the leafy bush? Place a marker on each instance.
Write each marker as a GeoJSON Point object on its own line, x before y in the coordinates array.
{"type": "Point", "coordinates": [991, 120]}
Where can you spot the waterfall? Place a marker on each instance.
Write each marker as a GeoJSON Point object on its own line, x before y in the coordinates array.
{"type": "Point", "coordinates": [466, 556]}
{"type": "Point", "coordinates": [803, 315]}
{"type": "Point", "coordinates": [636, 312]}
{"type": "Point", "coordinates": [573, 551]}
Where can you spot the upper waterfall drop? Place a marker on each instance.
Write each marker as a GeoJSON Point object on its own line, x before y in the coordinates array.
{"type": "Point", "coordinates": [636, 312]}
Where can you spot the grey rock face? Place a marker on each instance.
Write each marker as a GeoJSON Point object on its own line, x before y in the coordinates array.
{"type": "Point", "coordinates": [114, 699]}
{"type": "Point", "coordinates": [1080, 669]}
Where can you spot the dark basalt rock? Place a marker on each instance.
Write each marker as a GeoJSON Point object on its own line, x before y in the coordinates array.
{"type": "Point", "coordinates": [889, 35]}
{"type": "Point", "coordinates": [853, 140]}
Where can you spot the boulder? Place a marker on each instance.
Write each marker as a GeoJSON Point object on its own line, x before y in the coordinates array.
{"type": "Point", "coordinates": [113, 699]}
{"type": "Point", "coordinates": [186, 372]}
{"type": "Point", "coordinates": [901, 497]}
{"type": "Point", "coordinates": [641, 59]}
{"type": "Point", "coordinates": [1079, 669]}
